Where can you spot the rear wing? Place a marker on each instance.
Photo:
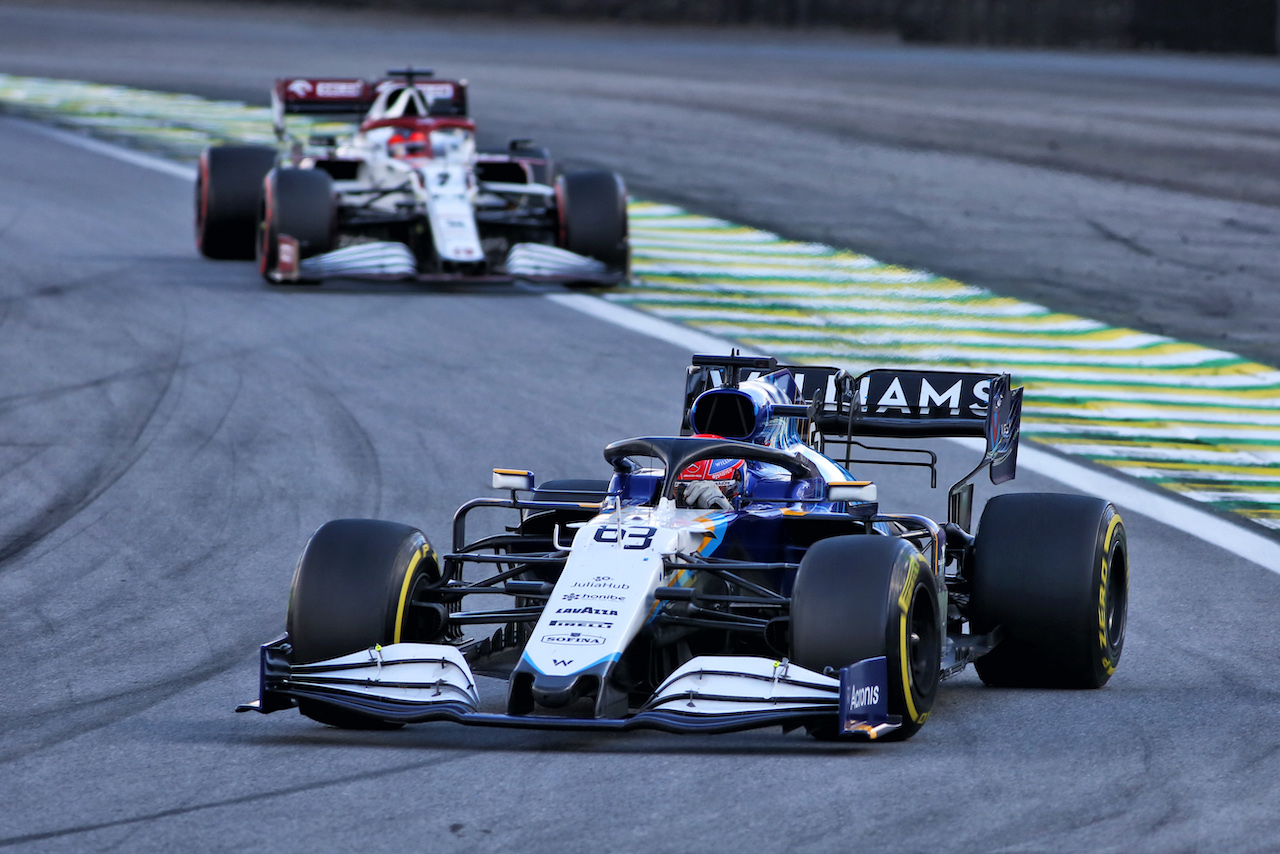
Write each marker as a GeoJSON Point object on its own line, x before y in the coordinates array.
{"type": "Point", "coordinates": [345, 97]}
{"type": "Point", "coordinates": [905, 404]}
{"type": "Point", "coordinates": [927, 404]}
{"type": "Point", "coordinates": [319, 96]}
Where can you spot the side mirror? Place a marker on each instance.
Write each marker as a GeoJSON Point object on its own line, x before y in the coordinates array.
{"type": "Point", "coordinates": [851, 491]}
{"type": "Point", "coordinates": [513, 479]}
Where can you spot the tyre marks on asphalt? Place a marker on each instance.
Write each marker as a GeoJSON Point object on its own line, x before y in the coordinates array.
{"type": "Point", "coordinates": [1200, 422]}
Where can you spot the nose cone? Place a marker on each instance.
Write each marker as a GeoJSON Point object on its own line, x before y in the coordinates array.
{"type": "Point", "coordinates": [556, 692]}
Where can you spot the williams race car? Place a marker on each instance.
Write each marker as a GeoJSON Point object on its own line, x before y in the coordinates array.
{"type": "Point", "coordinates": [732, 577]}
{"type": "Point", "coordinates": [404, 194]}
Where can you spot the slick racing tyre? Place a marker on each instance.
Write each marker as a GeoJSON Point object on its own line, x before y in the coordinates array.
{"type": "Point", "coordinates": [1053, 572]}
{"type": "Point", "coordinates": [592, 211]}
{"type": "Point", "coordinates": [298, 203]}
{"type": "Point", "coordinates": [228, 196]}
{"type": "Point", "coordinates": [351, 591]}
{"type": "Point", "coordinates": [863, 596]}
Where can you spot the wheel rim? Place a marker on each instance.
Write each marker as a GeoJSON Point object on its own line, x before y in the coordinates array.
{"type": "Point", "coordinates": [1116, 606]}
{"type": "Point", "coordinates": [202, 207]}
{"type": "Point", "coordinates": [925, 642]}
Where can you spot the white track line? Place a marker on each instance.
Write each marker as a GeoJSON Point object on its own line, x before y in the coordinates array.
{"type": "Point", "coordinates": [137, 158]}
{"type": "Point", "coordinates": [1134, 497]}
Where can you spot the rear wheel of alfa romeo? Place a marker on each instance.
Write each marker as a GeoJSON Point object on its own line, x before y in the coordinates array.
{"type": "Point", "coordinates": [592, 210]}
{"type": "Point", "coordinates": [228, 196]}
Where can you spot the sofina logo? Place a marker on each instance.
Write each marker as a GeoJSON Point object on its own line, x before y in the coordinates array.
{"type": "Point", "coordinates": [573, 639]}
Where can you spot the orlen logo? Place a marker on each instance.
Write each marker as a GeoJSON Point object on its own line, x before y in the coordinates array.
{"type": "Point", "coordinates": [573, 639]}
{"type": "Point", "coordinates": [340, 89]}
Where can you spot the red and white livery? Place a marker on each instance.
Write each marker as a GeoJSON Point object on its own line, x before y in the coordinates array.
{"type": "Point", "coordinates": [404, 192]}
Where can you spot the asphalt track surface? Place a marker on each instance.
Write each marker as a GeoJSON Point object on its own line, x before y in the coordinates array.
{"type": "Point", "coordinates": [173, 430]}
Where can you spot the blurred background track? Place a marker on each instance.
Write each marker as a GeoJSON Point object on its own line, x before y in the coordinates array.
{"type": "Point", "coordinates": [1139, 189]}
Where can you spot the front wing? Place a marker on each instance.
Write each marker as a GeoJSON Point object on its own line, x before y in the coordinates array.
{"type": "Point", "coordinates": [417, 683]}
{"type": "Point", "coordinates": [390, 261]}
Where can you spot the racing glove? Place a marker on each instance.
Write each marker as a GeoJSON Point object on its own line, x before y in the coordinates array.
{"type": "Point", "coordinates": [705, 494]}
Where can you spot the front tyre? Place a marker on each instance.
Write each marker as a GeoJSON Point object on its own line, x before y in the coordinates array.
{"type": "Point", "coordinates": [298, 203]}
{"type": "Point", "coordinates": [1053, 572]}
{"type": "Point", "coordinates": [864, 596]}
{"type": "Point", "coordinates": [351, 591]}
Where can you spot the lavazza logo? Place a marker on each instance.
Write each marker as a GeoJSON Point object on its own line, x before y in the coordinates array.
{"type": "Point", "coordinates": [602, 597]}
{"type": "Point", "coordinates": [587, 609]}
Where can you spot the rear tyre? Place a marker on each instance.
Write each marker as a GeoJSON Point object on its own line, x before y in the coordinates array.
{"type": "Point", "coordinates": [1053, 572]}
{"type": "Point", "coordinates": [592, 210]}
{"type": "Point", "coordinates": [228, 196]}
{"type": "Point", "coordinates": [298, 203]}
{"type": "Point", "coordinates": [862, 596]}
{"type": "Point", "coordinates": [351, 591]}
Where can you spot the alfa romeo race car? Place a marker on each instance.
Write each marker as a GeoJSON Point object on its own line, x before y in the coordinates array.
{"type": "Point", "coordinates": [732, 577]}
{"type": "Point", "coordinates": [405, 193]}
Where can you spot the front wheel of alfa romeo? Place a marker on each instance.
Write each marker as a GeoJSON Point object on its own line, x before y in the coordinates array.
{"type": "Point", "coordinates": [297, 203]}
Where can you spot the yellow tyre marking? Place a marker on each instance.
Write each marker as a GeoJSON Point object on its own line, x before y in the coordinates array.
{"type": "Point", "coordinates": [404, 589]}
{"type": "Point", "coordinates": [904, 632]}
{"type": "Point", "coordinates": [906, 677]}
{"type": "Point", "coordinates": [1107, 663]}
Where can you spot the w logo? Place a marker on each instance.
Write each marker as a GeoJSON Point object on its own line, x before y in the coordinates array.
{"type": "Point", "coordinates": [560, 662]}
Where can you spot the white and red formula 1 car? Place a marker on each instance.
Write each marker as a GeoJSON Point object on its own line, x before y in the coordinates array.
{"type": "Point", "coordinates": [404, 193]}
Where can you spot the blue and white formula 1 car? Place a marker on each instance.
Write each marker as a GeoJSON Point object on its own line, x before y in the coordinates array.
{"type": "Point", "coordinates": [732, 577]}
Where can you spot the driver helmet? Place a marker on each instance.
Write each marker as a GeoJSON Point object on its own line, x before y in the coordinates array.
{"type": "Point", "coordinates": [725, 474]}
{"type": "Point", "coordinates": [406, 143]}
